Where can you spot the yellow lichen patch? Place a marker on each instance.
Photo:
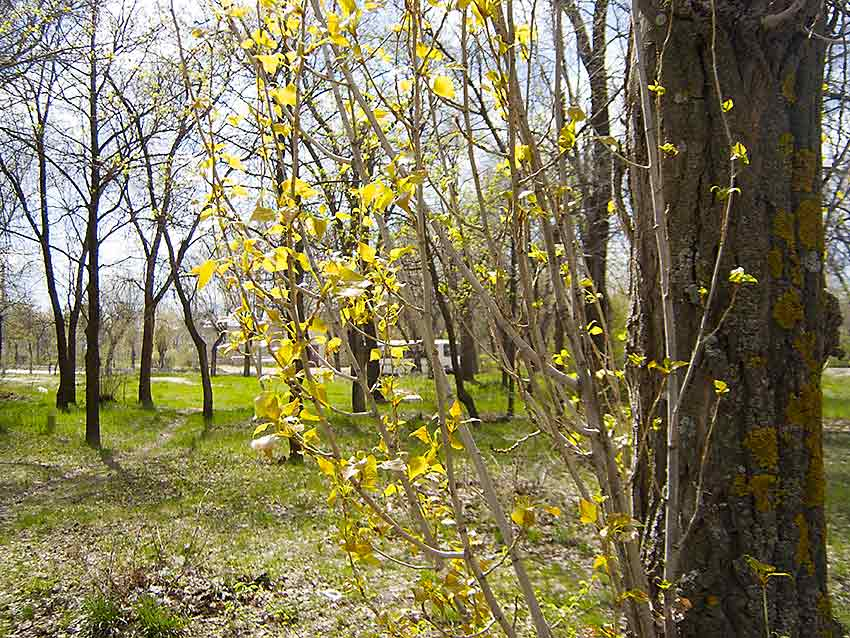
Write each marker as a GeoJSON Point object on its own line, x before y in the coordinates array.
{"type": "Point", "coordinates": [761, 486]}
{"type": "Point", "coordinates": [740, 486]}
{"type": "Point", "coordinates": [788, 91]}
{"type": "Point", "coordinates": [788, 310]}
{"type": "Point", "coordinates": [795, 273]}
{"type": "Point", "coordinates": [757, 361]}
{"type": "Point", "coordinates": [805, 344]}
{"type": "Point", "coordinates": [825, 615]}
{"type": "Point", "coordinates": [774, 262]}
{"type": "Point", "coordinates": [815, 482]}
{"type": "Point", "coordinates": [805, 167]}
{"type": "Point", "coordinates": [783, 226]}
{"type": "Point", "coordinates": [803, 554]}
{"type": "Point", "coordinates": [811, 224]}
{"type": "Point", "coordinates": [786, 144]}
{"type": "Point", "coordinates": [804, 408]}
{"type": "Point", "coordinates": [763, 446]}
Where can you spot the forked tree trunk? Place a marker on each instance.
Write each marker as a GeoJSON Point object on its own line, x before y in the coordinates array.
{"type": "Point", "coordinates": [764, 477]}
{"type": "Point", "coordinates": [214, 353]}
{"type": "Point", "coordinates": [200, 347]}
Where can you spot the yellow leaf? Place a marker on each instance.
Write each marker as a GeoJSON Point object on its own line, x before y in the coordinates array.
{"type": "Point", "coordinates": [455, 410]}
{"type": "Point", "coordinates": [366, 252]}
{"type": "Point", "coordinates": [306, 415]}
{"type": "Point", "coordinates": [392, 488]}
{"type": "Point", "coordinates": [269, 62]}
{"type": "Point", "coordinates": [260, 429]}
{"type": "Point", "coordinates": [266, 406]}
{"type": "Point", "coordinates": [421, 434]}
{"type": "Point", "coordinates": [588, 512]}
{"type": "Point", "coordinates": [523, 515]}
{"type": "Point", "coordinates": [325, 466]}
{"type": "Point", "coordinates": [553, 510]}
{"type": "Point", "coordinates": [375, 354]}
{"type": "Point", "coordinates": [576, 114]}
{"type": "Point", "coordinates": [233, 161]}
{"type": "Point", "coordinates": [205, 272]}
{"type": "Point", "coordinates": [333, 345]}
{"type": "Point", "coordinates": [311, 437]}
{"type": "Point", "coordinates": [284, 96]}
{"type": "Point", "coordinates": [416, 465]}
{"type": "Point", "coordinates": [444, 87]}
{"type": "Point", "coordinates": [348, 6]}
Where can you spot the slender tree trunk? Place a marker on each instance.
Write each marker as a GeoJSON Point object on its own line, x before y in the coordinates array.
{"type": "Point", "coordinates": [92, 241]}
{"type": "Point", "coordinates": [468, 352]}
{"type": "Point", "coordinates": [146, 360]}
{"type": "Point", "coordinates": [214, 354]}
{"type": "Point", "coordinates": [457, 371]}
{"type": "Point", "coordinates": [763, 483]}
{"type": "Point", "coordinates": [246, 360]}
{"type": "Point", "coordinates": [361, 355]}
{"type": "Point", "coordinates": [200, 347]}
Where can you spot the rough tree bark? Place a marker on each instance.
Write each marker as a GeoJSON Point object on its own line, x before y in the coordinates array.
{"type": "Point", "coordinates": [764, 476]}
{"type": "Point", "coordinates": [93, 244]}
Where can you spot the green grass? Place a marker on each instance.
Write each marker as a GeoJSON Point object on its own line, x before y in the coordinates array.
{"type": "Point", "coordinates": [102, 616]}
{"type": "Point", "coordinates": [836, 395]}
{"type": "Point", "coordinates": [155, 620]}
{"type": "Point", "coordinates": [181, 522]}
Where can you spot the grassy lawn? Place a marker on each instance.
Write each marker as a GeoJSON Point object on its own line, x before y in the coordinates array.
{"type": "Point", "coordinates": [178, 528]}
{"type": "Point", "coordinates": [178, 523]}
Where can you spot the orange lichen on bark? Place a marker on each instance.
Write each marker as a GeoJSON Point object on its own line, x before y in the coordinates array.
{"type": "Point", "coordinates": [761, 487]}
{"type": "Point", "coordinates": [788, 89]}
{"type": "Point", "coordinates": [810, 219]}
{"type": "Point", "coordinates": [783, 226]}
{"type": "Point", "coordinates": [805, 169]}
{"type": "Point", "coordinates": [788, 310]}
{"type": "Point", "coordinates": [763, 447]}
{"type": "Point", "coordinates": [774, 262]}
{"type": "Point", "coordinates": [804, 554]}
{"type": "Point", "coordinates": [804, 410]}
{"type": "Point", "coordinates": [805, 344]}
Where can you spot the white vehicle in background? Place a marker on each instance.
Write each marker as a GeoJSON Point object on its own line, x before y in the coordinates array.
{"type": "Point", "coordinates": [444, 354]}
{"type": "Point", "coordinates": [412, 350]}
{"type": "Point", "coordinates": [393, 365]}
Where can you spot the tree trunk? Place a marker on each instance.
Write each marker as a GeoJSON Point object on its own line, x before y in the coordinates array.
{"type": "Point", "coordinates": [200, 347]}
{"type": "Point", "coordinates": [457, 367]}
{"type": "Point", "coordinates": [146, 360]}
{"type": "Point", "coordinates": [214, 354]}
{"type": "Point", "coordinates": [468, 353]}
{"type": "Point", "coordinates": [246, 361]}
{"type": "Point", "coordinates": [93, 325]}
{"type": "Point", "coordinates": [361, 355]}
{"type": "Point", "coordinates": [764, 477]}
